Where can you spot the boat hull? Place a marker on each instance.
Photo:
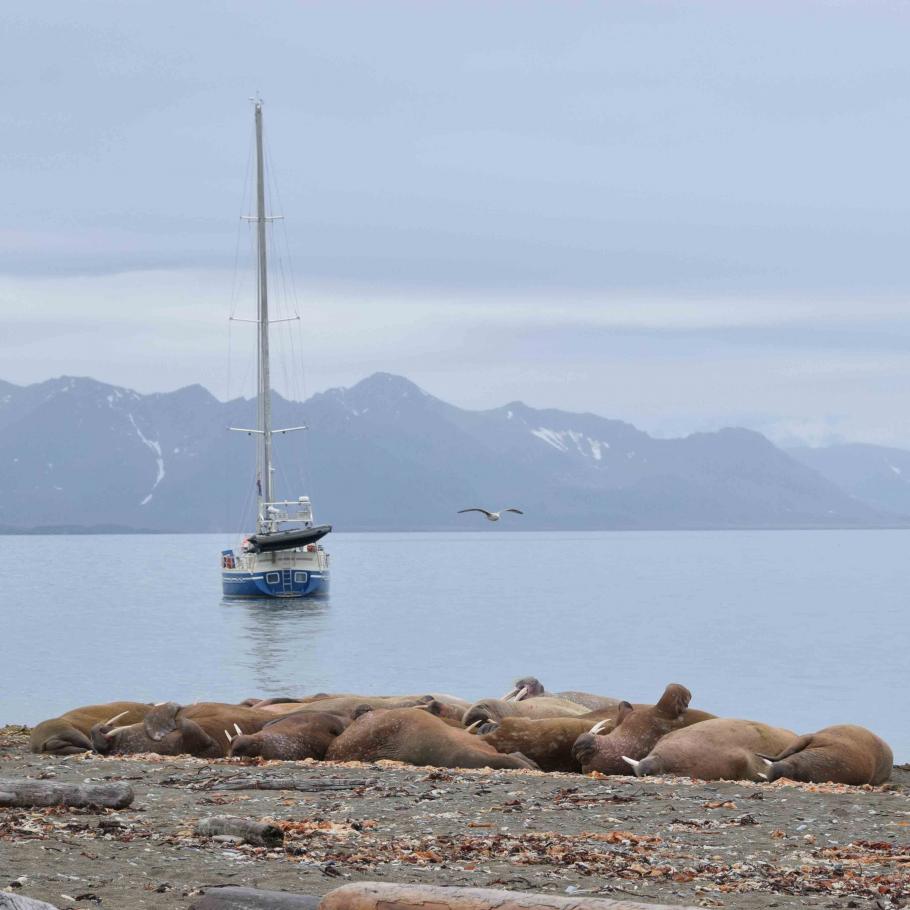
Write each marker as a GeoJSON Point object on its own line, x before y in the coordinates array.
{"type": "Point", "coordinates": [279, 583]}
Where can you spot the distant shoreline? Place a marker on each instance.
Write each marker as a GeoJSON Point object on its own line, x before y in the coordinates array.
{"type": "Point", "coordinates": [113, 531]}
{"type": "Point", "coordinates": [55, 530]}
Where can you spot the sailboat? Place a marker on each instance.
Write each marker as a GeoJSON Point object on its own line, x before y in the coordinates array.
{"type": "Point", "coordinates": [283, 557]}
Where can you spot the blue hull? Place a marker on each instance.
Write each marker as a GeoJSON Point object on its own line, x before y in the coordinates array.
{"type": "Point", "coordinates": [279, 583]}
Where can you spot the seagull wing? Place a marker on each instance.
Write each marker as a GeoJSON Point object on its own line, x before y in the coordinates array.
{"type": "Point", "coordinates": [485, 512]}
{"type": "Point", "coordinates": [516, 511]}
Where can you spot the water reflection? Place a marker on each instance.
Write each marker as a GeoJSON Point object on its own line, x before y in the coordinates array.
{"type": "Point", "coordinates": [285, 640]}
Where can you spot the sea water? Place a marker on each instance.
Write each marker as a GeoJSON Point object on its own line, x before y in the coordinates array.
{"type": "Point", "coordinates": [800, 629]}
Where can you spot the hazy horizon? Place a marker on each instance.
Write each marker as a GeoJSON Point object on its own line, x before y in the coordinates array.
{"type": "Point", "coordinates": [685, 217]}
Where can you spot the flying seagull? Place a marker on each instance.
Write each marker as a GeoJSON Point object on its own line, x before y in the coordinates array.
{"type": "Point", "coordinates": [491, 516]}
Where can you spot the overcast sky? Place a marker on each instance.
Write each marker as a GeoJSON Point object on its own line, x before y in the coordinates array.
{"type": "Point", "coordinates": [681, 214]}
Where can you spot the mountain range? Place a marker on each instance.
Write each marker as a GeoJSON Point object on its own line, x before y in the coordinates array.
{"type": "Point", "coordinates": [385, 455]}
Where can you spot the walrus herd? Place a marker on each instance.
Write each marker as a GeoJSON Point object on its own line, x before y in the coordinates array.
{"type": "Point", "coordinates": [528, 727]}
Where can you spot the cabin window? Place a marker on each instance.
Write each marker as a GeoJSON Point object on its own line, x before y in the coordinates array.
{"type": "Point", "coordinates": [300, 578]}
{"type": "Point", "coordinates": [273, 578]}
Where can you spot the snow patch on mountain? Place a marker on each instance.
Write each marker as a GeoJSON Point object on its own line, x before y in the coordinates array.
{"type": "Point", "coordinates": [551, 437]}
{"type": "Point", "coordinates": [561, 440]}
{"type": "Point", "coordinates": [155, 446]}
{"type": "Point", "coordinates": [597, 448]}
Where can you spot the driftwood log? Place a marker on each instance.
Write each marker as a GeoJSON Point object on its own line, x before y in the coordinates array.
{"type": "Point", "coordinates": [236, 898]}
{"type": "Point", "coordinates": [388, 896]}
{"type": "Point", "coordinates": [260, 834]}
{"type": "Point", "coordinates": [287, 783]}
{"type": "Point", "coordinates": [15, 902]}
{"type": "Point", "coordinates": [26, 792]}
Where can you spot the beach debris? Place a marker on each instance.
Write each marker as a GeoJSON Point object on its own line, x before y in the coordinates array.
{"type": "Point", "coordinates": [284, 783]}
{"type": "Point", "coordinates": [259, 834]}
{"type": "Point", "coordinates": [27, 792]}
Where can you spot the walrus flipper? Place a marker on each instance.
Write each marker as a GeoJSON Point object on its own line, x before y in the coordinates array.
{"type": "Point", "coordinates": [161, 720]}
{"type": "Point", "coordinates": [797, 745]}
{"type": "Point", "coordinates": [674, 702]}
{"type": "Point", "coordinates": [71, 742]}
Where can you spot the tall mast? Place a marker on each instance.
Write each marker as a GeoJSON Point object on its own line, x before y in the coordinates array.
{"type": "Point", "coordinates": [264, 389]}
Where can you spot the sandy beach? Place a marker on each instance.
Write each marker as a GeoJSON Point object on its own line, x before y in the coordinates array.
{"type": "Point", "coordinates": [664, 840]}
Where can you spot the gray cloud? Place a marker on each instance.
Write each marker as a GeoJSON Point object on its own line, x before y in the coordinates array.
{"type": "Point", "coordinates": [682, 215]}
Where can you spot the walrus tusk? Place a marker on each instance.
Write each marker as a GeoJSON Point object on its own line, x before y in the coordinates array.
{"type": "Point", "coordinates": [473, 726]}
{"type": "Point", "coordinates": [510, 695]}
{"type": "Point", "coordinates": [239, 731]}
{"type": "Point", "coordinates": [115, 718]}
{"type": "Point", "coordinates": [598, 726]}
{"type": "Point", "coordinates": [762, 776]}
{"type": "Point", "coordinates": [421, 707]}
{"type": "Point", "coordinates": [228, 735]}
{"type": "Point", "coordinates": [632, 763]}
{"type": "Point", "coordinates": [766, 760]}
{"type": "Point", "coordinates": [522, 692]}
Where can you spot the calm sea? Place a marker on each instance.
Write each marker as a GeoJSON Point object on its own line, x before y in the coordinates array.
{"type": "Point", "coordinates": [797, 628]}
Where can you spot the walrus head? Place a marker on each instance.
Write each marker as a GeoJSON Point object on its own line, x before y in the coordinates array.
{"type": "Point", "coordinates": [360, 710]}
{"type": "Point", "coordinates": [245, 747]}
{"type": "Point", "coordinates": [526, 687]}
{"type": "Point", "coordinates": [441, 709]}
{"type": "Point", "coordinates": [585, 748]}
{"type": "Point", "coordinates": [489, 710]}
{"type": "Point", "coordinates": [102, 735]}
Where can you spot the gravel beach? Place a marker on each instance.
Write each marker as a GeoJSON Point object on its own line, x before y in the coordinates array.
{"type": "Point", "coordinates": [665, 840]}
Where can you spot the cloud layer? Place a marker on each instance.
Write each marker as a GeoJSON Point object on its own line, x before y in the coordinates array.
{"type": "Point", "coordinates": [680, 215]}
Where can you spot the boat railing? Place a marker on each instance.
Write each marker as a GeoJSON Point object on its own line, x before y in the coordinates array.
{"type": "Point", "coordinates": [296, 511]}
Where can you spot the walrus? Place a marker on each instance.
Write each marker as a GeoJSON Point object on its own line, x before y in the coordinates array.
{"type": "Point", "coordinates": [495, 709]}
{"type": "Point", "coordinates": [70, 733]}
{"type": "Point", "coordinates": [416, 738]}
{"type": "Point", "coordinates": [532, 687]}
{"type": "Point", "coordinates": [281, 704]}
{"type": "Point", "coordinates": [842, 754]}
{"type": "Point", "coordinates": [293, 737]}
{"type": "Point", "coordinates": [450, 713]}
{"type": "Point", "coordinates": [636, 731]}
{"type": "Point", "coordinates": [719, 749]}
{"type": "Point", "coordinates": [204, 729]}
{"type": "Point", "coordinates": [345, 705]}
{"type": "Point", "coordinates": [547, 741]}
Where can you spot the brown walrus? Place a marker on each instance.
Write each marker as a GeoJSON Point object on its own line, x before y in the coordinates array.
{"type": "Point", "coordinates": [416, 738]}
{"type": "Point", "coordinates": [720, 749]}
{"type": "Point", "coordinates": [204, 729]}
{"type": "Point", "coordinates": [636, 732]}
{"type": "Point", "coordinates": [547, 741]}
{"type": "Point", "coordinates": [346, 704]}
{"type": "Point", "coordinates": [843, 754]}
{"type": "Point", "coordinates": [70, 733]}
{"type": "Point", "coordinates": [495, 709]}
{"type": "Point", "coordinates": [281, 704]}
{"type": "Point", "coordinates": [293, 737]}
{"type": "Point", "coordinates": [532, 687]}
